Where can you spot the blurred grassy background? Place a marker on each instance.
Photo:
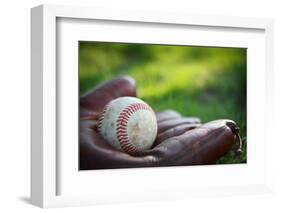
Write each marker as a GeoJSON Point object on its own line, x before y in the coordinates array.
{"type": "Point", "coordinates": [206, 82]}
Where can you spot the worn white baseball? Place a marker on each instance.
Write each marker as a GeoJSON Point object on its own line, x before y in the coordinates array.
{"type": "Point", "coordinates": [128, 124]}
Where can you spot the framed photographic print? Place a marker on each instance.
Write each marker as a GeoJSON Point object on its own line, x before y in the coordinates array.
{"type": "Point", "coordinates": [151, 106]}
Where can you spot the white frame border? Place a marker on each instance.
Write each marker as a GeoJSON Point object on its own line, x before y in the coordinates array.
{"type": "Point", "coordinates": [43, 89]}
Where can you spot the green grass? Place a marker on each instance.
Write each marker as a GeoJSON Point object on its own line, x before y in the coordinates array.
{"type": "Point", "coordinates": [209, 83]}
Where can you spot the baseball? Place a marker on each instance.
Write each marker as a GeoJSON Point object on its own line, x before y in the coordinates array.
{"type": "Point", "coordinates": [128, 124]}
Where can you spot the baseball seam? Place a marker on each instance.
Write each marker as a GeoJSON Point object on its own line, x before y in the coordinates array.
{"type": "Point", "coordinates": [99, 123]}
{"type": "Point", "coordinates": [122, 122]}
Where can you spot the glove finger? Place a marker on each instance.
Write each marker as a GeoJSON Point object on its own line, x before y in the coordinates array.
{"type": "Point", "coordinates": [175, 131]}
{"type": "Point", "coordinates": [167, 124]}
{"type": "Point", "coordinates": [167, 115]}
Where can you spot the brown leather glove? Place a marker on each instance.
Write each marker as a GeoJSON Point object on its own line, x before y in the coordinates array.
{"type": "Point", "coordinates": [180, 140]}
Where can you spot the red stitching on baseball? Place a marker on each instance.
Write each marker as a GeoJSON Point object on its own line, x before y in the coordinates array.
{"type": "Point", "coordinates": [122, 123]}
{"type": "Point", "coordinates": [99, 123]}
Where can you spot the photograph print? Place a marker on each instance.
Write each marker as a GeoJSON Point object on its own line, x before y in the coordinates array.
{"type": "Point", "coordinates": [152, 105]}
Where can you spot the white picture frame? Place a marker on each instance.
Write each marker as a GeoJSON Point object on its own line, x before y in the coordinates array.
{"type": "Point", "coordinates": [47, 166]}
